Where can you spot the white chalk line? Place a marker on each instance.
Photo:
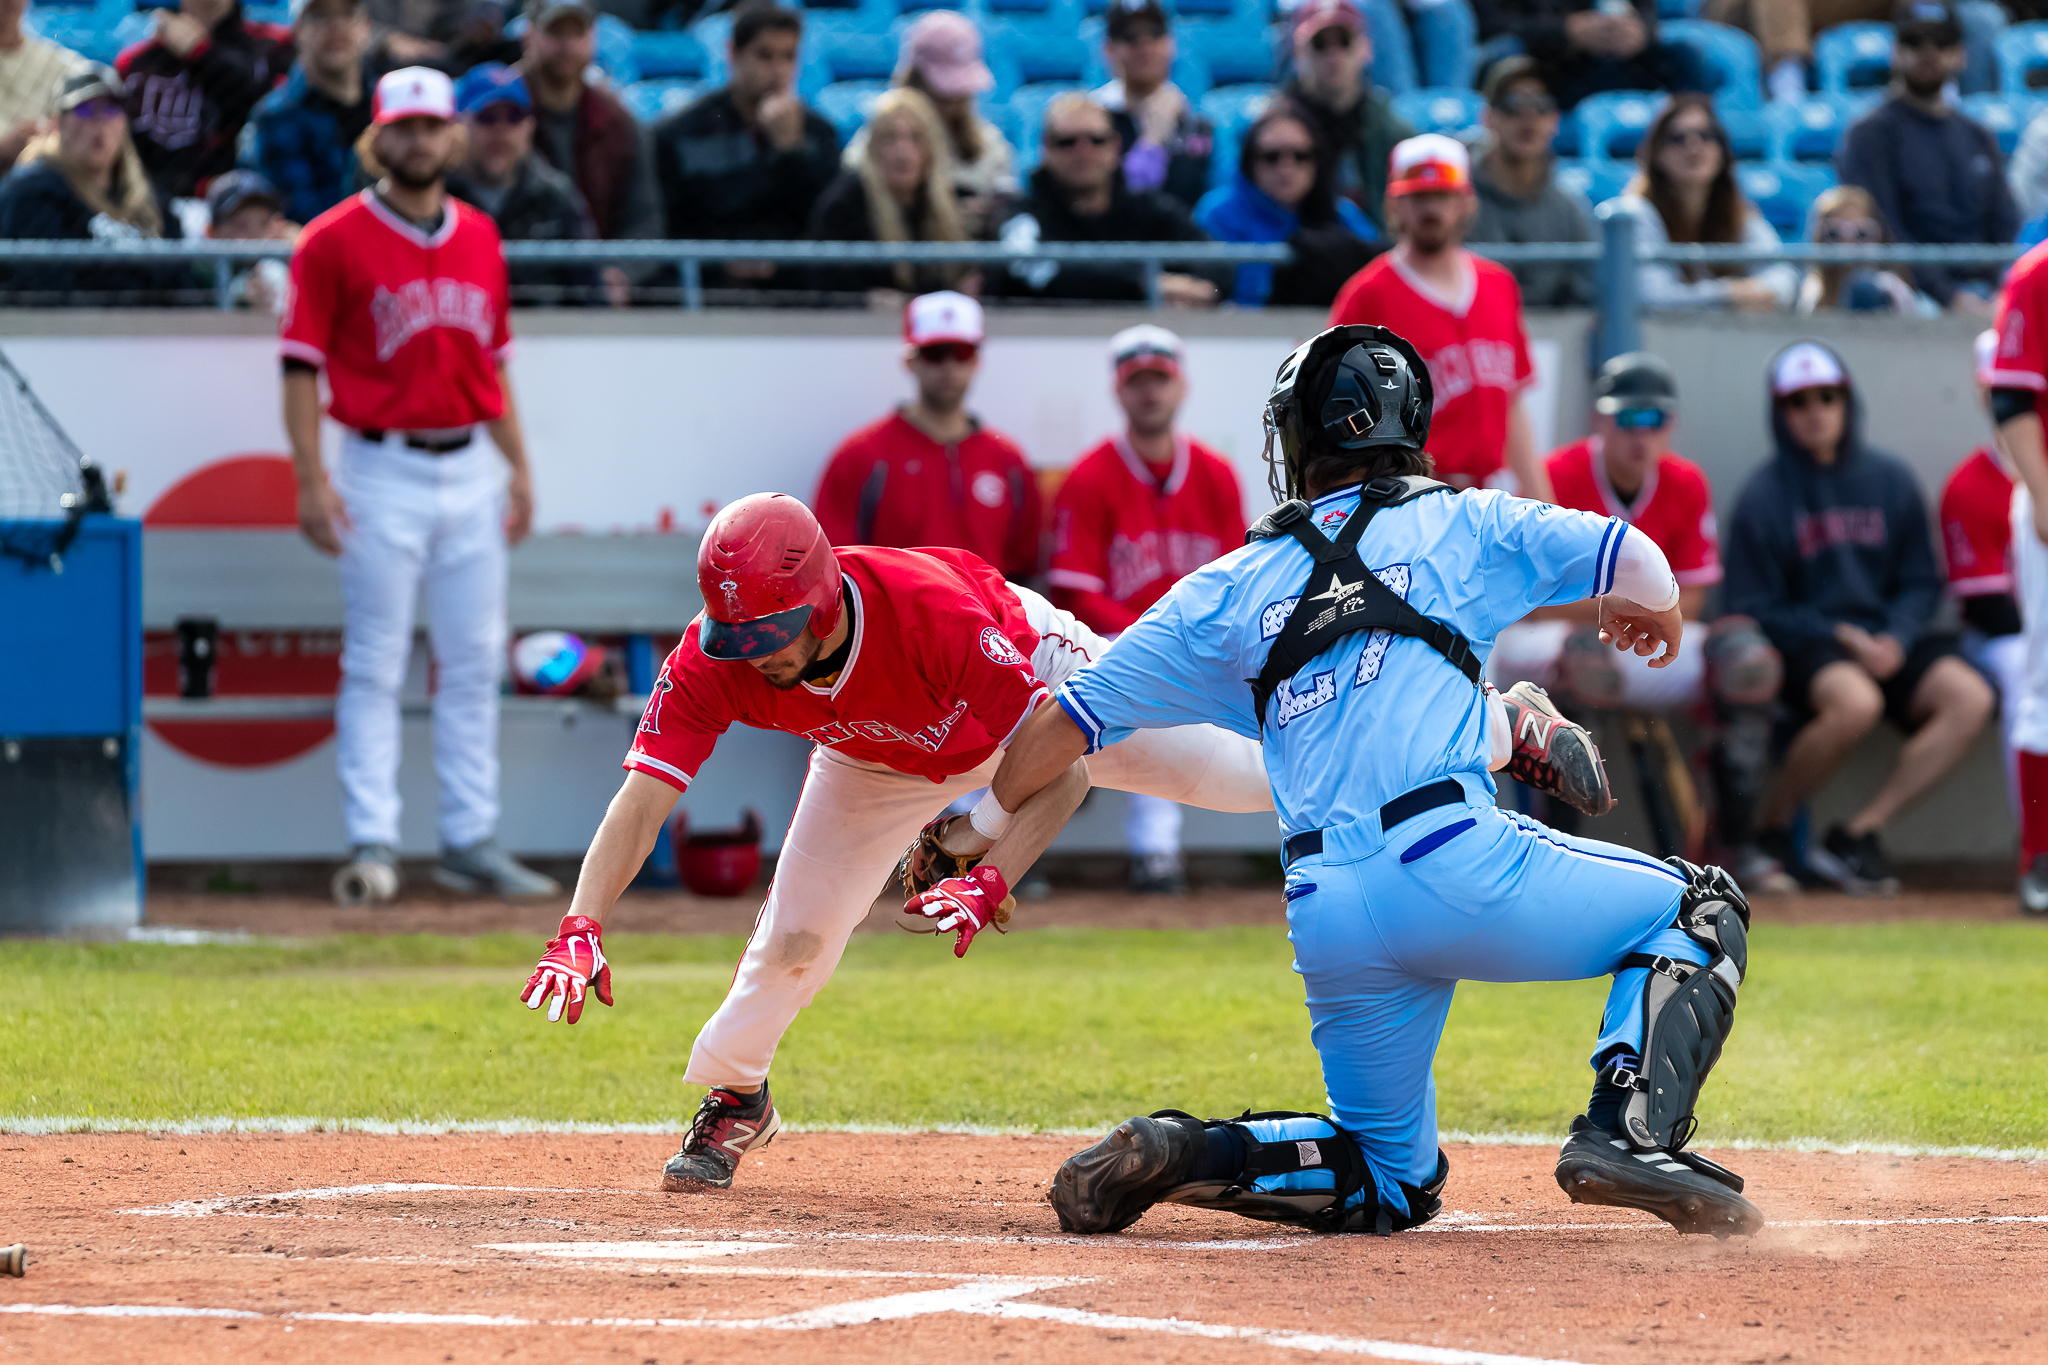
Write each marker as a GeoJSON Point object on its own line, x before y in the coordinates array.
{"type": "Point", "coordinates": [35, 1125]}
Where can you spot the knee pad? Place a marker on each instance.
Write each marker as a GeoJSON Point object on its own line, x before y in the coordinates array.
{"type": "Point", "coordinates": [1308, 1172]}
{"type": "Point", "coordinates": [1743, 667]}
{"type": "Point", "coordinates": [1688, 1012]}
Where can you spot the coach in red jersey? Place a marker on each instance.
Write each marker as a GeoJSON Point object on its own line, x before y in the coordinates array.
{"type": "Point", "coordinates": [399, 296]}
{"type": "Point", "coordinates": [930, 473]}
{"type": "Point", "coordinates": [1134, 515]}
{"type": "Point", "coordinates": [1462, 312]}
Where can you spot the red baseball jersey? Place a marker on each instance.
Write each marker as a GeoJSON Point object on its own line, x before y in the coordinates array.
{"type": "Point", "coordinates": [1477, 352]}
{"type": "Point", "coordinates": [948, 678]}
{"type": "Point", "coordinates": [1976, 526]}
{"type": "Point", "coordinates": [2022, 326]}
{"type": "Point", "coordinates": [410, 328]}
{"type": "Point", "coordinates": [890, 484]}
{"type": "Point", "coordinates": [1122, 535]}
{"type": "Point", "coordinates": [1674, 507]}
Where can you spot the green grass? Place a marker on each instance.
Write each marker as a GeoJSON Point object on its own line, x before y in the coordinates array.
{"type": "Point", "coordinates": [1912, 1033]}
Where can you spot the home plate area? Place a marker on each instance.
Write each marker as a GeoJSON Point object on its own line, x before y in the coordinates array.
{"type": "Point", "coordinates": [941, 1248]}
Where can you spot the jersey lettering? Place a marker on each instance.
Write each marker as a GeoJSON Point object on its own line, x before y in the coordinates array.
{"type": "Point", "coordinates": [1273, 619]}
{"type": "Point", "coordinates": [420, 304]}
{"type": "Point", "coordinates": [1395, 576]}
{"type": "Point", "coordinates": [1321, 691]}
{"type": "Point", "coordinates": [1135, 561]}
{"type": "Point", "coordinates": [931, 738]}
{"type": "Point", "coordinates": [1816, 531]}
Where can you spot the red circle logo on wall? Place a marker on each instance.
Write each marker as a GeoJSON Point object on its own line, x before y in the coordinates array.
{"type": "Point", "coordinates": [242, 492]}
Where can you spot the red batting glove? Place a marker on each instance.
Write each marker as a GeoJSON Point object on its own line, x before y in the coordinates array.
{"type": "Point", "coordinates": [966, 905]}
{"type": "Point", "coordinates": [574, 960]}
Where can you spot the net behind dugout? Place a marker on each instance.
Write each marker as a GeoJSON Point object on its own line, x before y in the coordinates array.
{"type": "Point", "coordinates": [46, 485]}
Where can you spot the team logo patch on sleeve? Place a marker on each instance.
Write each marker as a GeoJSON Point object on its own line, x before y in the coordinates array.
{"type": "Point", "coordinates": [997, 646]}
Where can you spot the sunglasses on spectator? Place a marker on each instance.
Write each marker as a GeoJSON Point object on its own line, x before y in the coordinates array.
{"type": "Point", "coordinates": [1519, 105]}
{"type": "Point", "coordinates": [1686, 137]}
{"type": "Point", "coordinates": [1338, 39]}
{"type": "Point", "coordinates": [95, 109]}
{"type": "Point", "coordinates": [1826, 398]}
{"type": "Point", "coordinates": [939, 352]}
{"type": "Point", "coordinates": [1274, 156]}
{"type": "Point", "coordinates": [1066, 142]}
{"type": "Point", "coordinates": [1913, 42]}
{"type": "Point", "coordinates": [1850, 230]}
{"type": "Point", "coordinates": [501, 116]}
{"type": "Point", "coordinates": [1642, 419]}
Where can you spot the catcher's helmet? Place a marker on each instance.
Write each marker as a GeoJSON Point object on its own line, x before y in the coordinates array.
{"type": "Point", "coordinates": [766, 570]}
{"type": "Point", "coordinates": [1353, 388]}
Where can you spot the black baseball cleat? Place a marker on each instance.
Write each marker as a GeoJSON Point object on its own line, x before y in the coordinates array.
{"type": "Point", "coordinates": [726, 1128]}
{"type": "Point", "coordinates": [1689, 1192]}
{"type": "Point", "coordinates": [1552, 754]}
{"type": "Point", "coordinates": [1108, 1187]}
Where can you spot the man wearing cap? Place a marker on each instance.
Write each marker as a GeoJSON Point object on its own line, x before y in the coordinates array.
{"type": "Point", "coordinates": [399, 294]}
{"type": "Point", "coordinates": [1462, 312]}
{"type": "Point", "coordinates": [1516, 182]}
{"type": "Point", "coordinates": [191, 86]}
{"type": "Point", "coordinates": [1936, 173]}
{"type": "Point", "coordinates": [1830, 550]}
{"type": "Point", "coordinates": [242, 206]}
{"type": "Point", "coordinates": [304, 131]}
{"type": "Point", "coordinates": [1166, 143]}
{"type": "Point", "coordinates": [748, 161]}
{"type": "Point", "coordinates": [930, 473]}
{"type": "Point", "coordinates": [1133, 516]}
{"type": "Point", "coordinates": [581, 129]}
{"type": "Point", "coordinates": [528, 199]}
{"type": "Point", "coordinates": [1331, 55]}
{"type": "Point", "coordinates": [30, 71]}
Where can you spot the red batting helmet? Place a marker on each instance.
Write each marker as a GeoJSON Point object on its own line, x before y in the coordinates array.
{"type": "Point", "coordinates": [765, 568]}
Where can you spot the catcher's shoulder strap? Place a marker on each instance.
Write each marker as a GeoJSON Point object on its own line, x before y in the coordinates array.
{"type": "Point", "coordinates": [1343, 595]}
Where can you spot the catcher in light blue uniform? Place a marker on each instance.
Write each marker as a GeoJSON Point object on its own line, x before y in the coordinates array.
{"type": "Point", "coordinates": [1403, 876]}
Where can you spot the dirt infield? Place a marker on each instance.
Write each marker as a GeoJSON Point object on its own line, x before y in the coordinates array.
{"type": "Point", "coordinates": [938, 1248]}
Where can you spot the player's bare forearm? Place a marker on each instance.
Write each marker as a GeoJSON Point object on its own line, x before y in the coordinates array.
{"type": "Point", "coordinates": [302, 423]}
{"type": "Point", "coordinates": [1532, 478]}
{"type": "Point", "coordinates": [623, 840]}
{"type": "Point", "coordinates": [2026, 444]}
{"type": "Point", "coordinates": [1046, 746]}
{"type": "Point", "coordinates": [505, 431]}
{"type": "Point", "coordinates": [1037, 822]}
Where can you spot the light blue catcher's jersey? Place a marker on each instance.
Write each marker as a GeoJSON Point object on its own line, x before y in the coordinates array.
{"type": "Point", "coordinates": [1376, 714]}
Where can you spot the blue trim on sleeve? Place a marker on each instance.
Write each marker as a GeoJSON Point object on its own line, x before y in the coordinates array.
{"type": "Point", "coordinates": [1607, 562]}
{"type": "Point", "coordinates": [1077, 711]}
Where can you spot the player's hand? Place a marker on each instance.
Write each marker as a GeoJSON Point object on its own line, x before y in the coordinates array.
{"type": "Point", "coordinates": [518, 506]}
{"type": "Point", "coordinates": [965, 905]}
{"type": "Point", "coordinates": [323, 516]}
{"type": "Point", "coordinates": [574, 962]}
{"type": "Point", "coordinates": [1633, 628]}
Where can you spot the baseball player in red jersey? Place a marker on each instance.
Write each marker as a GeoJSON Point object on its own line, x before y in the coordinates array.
{"type": "Point", "coordinates": [1135, 514]}
{"type": "Point", "coordinates": [929, 473]}
{"type": "Point", "coordinates": [399, 296]}
{"type": "Point", "coordinates": [1462, 312]}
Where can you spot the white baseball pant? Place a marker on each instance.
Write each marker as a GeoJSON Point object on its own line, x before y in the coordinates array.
{"type": "Point", "coordinates": [437, 520]}
{"type": "Point", "coordinates": [854, 819]}
{"type": "Point", "coordinates": [1530, 650]}
{"type": "Point", "coordinates": [2028, 728]}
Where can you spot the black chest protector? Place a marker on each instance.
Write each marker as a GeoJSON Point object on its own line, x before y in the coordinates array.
{"type": "Point", "coordinates": [1343, 595]}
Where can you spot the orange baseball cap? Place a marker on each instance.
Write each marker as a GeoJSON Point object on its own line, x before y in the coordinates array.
{"type": "Point", "coordinates": [1430, 162]}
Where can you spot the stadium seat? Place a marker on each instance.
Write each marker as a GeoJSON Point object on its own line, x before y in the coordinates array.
{"type": "Point", "coordinates": [845, 104]}
{"type": "Point", "coordinates": [1594, 181]}
{"type": "Point", "coordinates": [1783, 191]}
{"type": "Point", "coordinates": [2023, 58]}
{"type": "Point", "coordinates": [1440, 110]}
{"type": "Point", "coordinates": [1232, 52]}
{"type": "Point", "coordinates": [83, 31]}
{"type": "Point", "coordinates": [1230, 111]}
{"type": "Point", "coordinates": [1749, 133]}
{"type": "Point", "coordinates": [1734, 67]}
{"type": "Point", "coordinates": [1855, 56]}
{"type": "Point", "coordinates": [1613, 122]}
{"type": "Point", "coordinates": [1668, 10]}
{"type": "Point", "coordinates": [652, 101]}
{"type": "Point", "coordinates": [1812, 129]}
{"type": "Point", "coordinates": [671, 56]}
{"type": "Point", "coordinates": [1035, 54]}
{"type": "Point", "coordinates": [2006, 116]}
{"type": "Point", "coordinates": [851, 50]}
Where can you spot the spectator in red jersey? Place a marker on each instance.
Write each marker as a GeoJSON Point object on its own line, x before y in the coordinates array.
{"type": "Point", "coordinates": [1462, 312]}
{"type": "Point", "coordinates": [193, 84]}
{"type": "Point", "coordinates": [930, 473]}
{"type": "Point", "coordinates": [1135, 514]}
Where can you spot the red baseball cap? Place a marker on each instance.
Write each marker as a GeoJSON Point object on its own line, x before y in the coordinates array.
{"type": "Point", "coordinates": [1318, 15]}
{"type": "Point", "coordinates": [413, 92]}
{"type": "Point", "coordinates": [1145, 347]}
{"type": "Point", "coordinates": [1429, 162]}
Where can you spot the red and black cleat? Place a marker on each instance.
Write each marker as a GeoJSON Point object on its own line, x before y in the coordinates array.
{"type": "Point", "coordinates": [726, 1128]}
{"type": "Point", "coordinates": [1552, 754]}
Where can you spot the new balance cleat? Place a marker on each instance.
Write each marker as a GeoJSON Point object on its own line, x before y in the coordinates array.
{"type": "Point", "coordinates": [727, 1127]}
{"type": "Point", "coordinates": [1689, 1192]}
{"type": "Point", "coordinates": [1552, 754]}
{"type": "Point", "coordinates": [1109, 1186]}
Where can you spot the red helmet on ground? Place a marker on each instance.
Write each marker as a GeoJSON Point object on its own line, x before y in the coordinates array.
{"type": "Point", "coordinates": [766, 570]}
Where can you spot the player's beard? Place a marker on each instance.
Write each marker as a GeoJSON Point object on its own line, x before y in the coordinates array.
{"type": "Point", "coordinates": [793, 678]}
{"type": "Point", "coordinates": [407, 180]}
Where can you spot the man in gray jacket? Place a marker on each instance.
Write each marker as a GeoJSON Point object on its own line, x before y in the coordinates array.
{"type": "Point", "coordinates": [1519, 197]}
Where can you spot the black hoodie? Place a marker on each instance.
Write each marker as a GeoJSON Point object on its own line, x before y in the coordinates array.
{"type": "Point", "coordinates": [1043, 214]}
{"type": "Point", "coordinates": [1812, 545]}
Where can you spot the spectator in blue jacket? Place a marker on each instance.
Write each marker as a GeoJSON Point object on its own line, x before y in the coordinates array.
{"type": "Point", "coordinates": [1283, 191]}
{"type": "Point", "coordinates": [1831, 551]}
{"type": "Point", "coordinates": [305, 129]}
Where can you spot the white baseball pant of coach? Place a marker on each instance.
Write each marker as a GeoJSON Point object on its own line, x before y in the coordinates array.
{"type": "Point", "coordinates": [416, 518]}
{"type": "Point", "coordinates": [854, 819]}
{"type": "Point", "coordinates": [2029, 708]}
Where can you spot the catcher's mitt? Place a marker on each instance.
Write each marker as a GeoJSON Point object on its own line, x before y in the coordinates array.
{"type": "Point", "coordinates": [926, 863]}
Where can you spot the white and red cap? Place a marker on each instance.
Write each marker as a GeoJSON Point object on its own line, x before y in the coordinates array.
{"type": "Point", "coordinates": [1806, 365]}
{"type": "Point", "coordinates": [1145, 347]}
{"type": "Point", "coordinates": [1429, 162]}
{"type": "Point", "coordinates": [413, 92]}
{"type": "Point", "coordinates": [1315, 16]}
{"type": "Point", "coordinates": [930, 319]}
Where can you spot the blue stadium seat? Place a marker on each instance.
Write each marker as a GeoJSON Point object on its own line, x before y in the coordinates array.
{"type": "Point", "coordinates": [671, 56]}
{"type": "Point", "coordinates": [1035, 54]}
{"type": "Point", "coordinates": [1855, 56]}
{"type": "Point", "coordinates": [1734, 66]}
{"type": "Point", "coordinates": [1668, 10]}
{"type": "Point", "coordinates": [1594, 181]}
{"type": "Point", "coordinates": [2006, 116]}
{"type": "Point", "coordinates": [1812, 129]}
{"type": "Point", "coordinates": [2023, 58]}
{"type": "Point", "coordinates": [851, 51]}
{"type": "Point", "coordinates": [83, 31]}
{"type": "Point", "coordinates": [1749, 133]}
{"type": "Point", "coordinates": [845, 104]}
{"type": "Point", "coordinates": [1614, 121]}
{"type": "Point", "coordinates": [1440, 110]}
{"type": "Point", "coordinates": [652, 101]}
{"type": "Point", "coordinates": [1783, 191]}
{"type": "Point", "coordinates": [1027, 120]}
{"type": "Point", "coordinates": [615, 50]}
{"type": "Point", "coordinates": [1231, 110]}
{"type": "Point", "coordinates": [1232, 52]}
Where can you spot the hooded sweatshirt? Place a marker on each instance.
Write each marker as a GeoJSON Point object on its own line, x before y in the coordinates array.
{"type": "Point", "coordinates": [1812, 545]}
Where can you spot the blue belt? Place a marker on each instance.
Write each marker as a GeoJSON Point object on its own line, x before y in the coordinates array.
{"type": "Point", "coordinates": [1444, 792]}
